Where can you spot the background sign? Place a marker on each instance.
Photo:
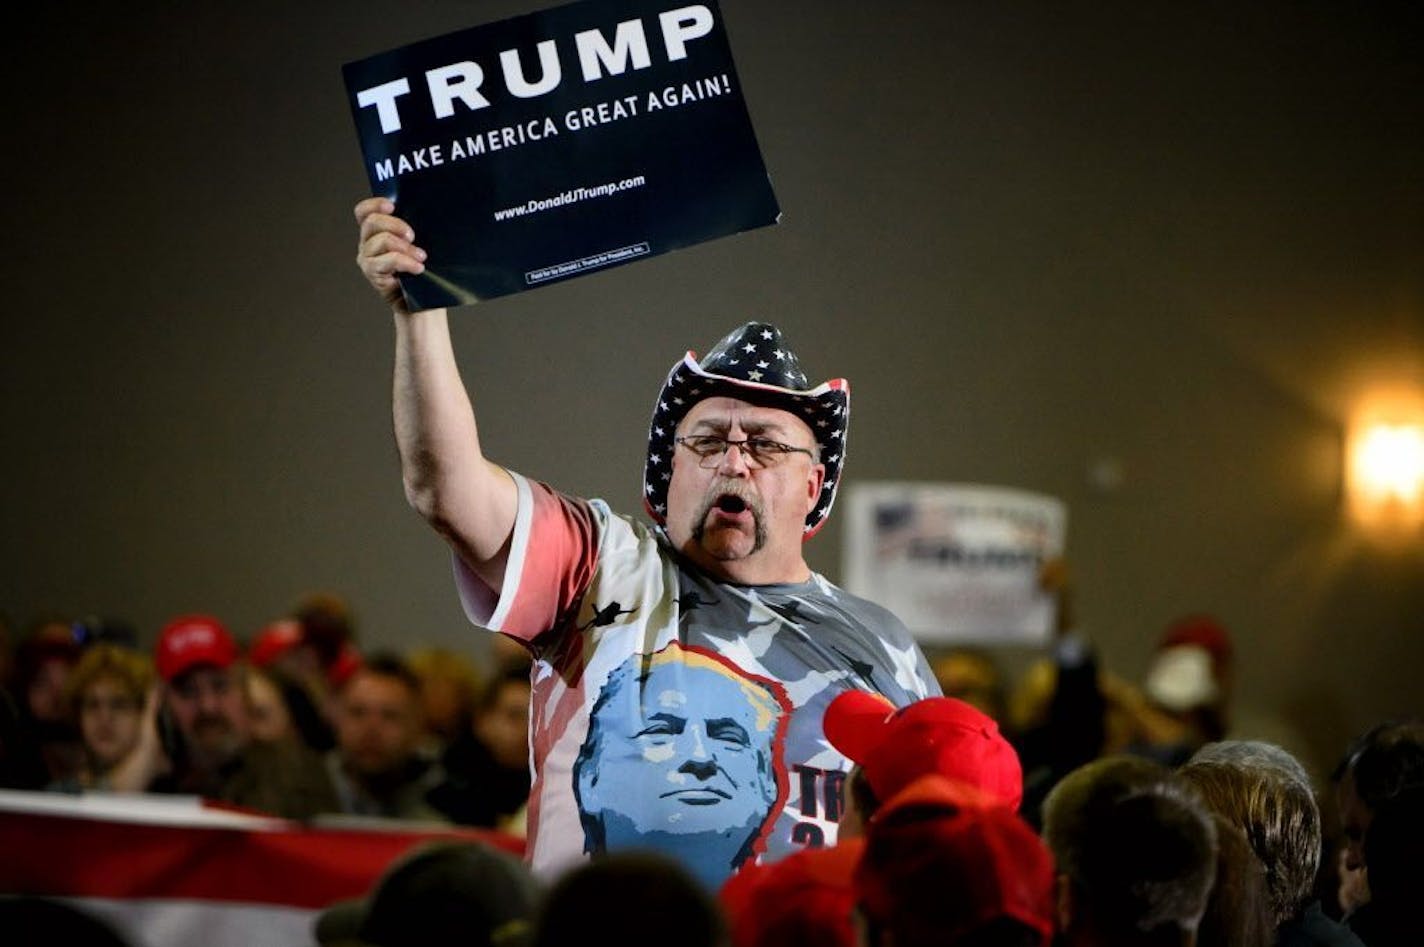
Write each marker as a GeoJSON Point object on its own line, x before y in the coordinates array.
{"type": "Point", "coordinates": [559, 143]}
{"type": "Point", "coordinates": [956, 562]}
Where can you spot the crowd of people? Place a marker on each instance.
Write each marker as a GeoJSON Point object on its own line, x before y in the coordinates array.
{"type": "Point", "coordinates": [949, 830]}
{"type": "Point", "coordinates": [295, 720]}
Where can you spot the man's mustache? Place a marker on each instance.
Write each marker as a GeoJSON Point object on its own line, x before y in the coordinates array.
{"type": "Point", "coordinates": [730, 487]}
{"type": "Point", "coordinates": [736, 488]}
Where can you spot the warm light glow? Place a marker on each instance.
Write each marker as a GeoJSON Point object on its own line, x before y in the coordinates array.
{"type": "Point", "coordinates": [1386, 475]}
{"type": "Point", "coordinates": [1391, 462]}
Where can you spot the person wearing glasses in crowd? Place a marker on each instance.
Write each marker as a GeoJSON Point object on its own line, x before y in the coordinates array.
{"type": "Point", "coordinates": [744, 459]}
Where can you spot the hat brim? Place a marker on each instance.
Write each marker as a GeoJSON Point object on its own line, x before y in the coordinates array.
{"type": "Point", "coordinates": [825, 409]}
{"type": "Point", "coordinates": [855, 723]}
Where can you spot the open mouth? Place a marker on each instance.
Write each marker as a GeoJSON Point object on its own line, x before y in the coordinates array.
{"type": "Point", "coordinates": [730, 504]}
{"type": "Point", "coordinates": [733, 509]}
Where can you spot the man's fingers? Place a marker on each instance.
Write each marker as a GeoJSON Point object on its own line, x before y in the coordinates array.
{"type": "Point", "coordinates": [383, 266]}
{"type": "Point", "coordinates": [385, 223]}
{"type": "Point", "coordinates": [373, 205]}
{"type": "Point", "coordinates": [385, 243]}
{"type": "Point", "coordinates": [386, 249]}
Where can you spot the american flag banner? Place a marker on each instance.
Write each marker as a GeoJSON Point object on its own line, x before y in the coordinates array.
{"type": "Point", "coordinates": [171, 871]}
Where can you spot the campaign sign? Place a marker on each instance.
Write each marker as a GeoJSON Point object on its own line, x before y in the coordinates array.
{"type": "Point", "coordinates": [958, 563]}
{"type": "Point", "coordinates": [559, 143]}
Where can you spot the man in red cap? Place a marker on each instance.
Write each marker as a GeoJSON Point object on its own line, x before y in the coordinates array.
{"type": "Point", "coordinates": [944, 865]}
{"type": "Point", "coordinates": [743, 463]}
{"type": "Point", "coordinates": [197, 738]}
{"type": "Point", "coordinates": [202, 692]}
{"type": "Point", "coordinates": [893, 747]}
{"type": "Point", "coordinates": [806, 898]}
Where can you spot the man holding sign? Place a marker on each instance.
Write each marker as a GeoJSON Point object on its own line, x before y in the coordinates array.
{"type": "Point", "coordinates": [743, 463]}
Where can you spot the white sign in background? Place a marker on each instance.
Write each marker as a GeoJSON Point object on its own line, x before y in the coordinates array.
{"type": "Point", "coordinates": [958, 563]}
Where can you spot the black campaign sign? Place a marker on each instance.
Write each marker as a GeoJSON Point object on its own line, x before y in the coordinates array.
{"type": "Point", "coordinates": [559, 143]}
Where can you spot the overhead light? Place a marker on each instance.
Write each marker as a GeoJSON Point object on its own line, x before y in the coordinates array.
{"type": "Point", "coordinates": [1386, 474]}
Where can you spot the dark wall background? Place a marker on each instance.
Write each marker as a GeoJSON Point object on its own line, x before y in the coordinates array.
{"type": "Point", "coordinates": [1183, 239]}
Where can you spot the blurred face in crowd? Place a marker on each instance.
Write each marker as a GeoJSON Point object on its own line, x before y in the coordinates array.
{"type": "Point", "coordinates": [109, 721]}
{"type": "Point", "coordinates": [503, 727]}
{"type": "Point", "coordinates": [46, 691]}
{"type": "Point", "coordinates": [378, 725]}
{"type": "Point", "coordinates": [270, 720]}
{"type": "Point", "coordinates": [444, 704]}
{"type": "Point", "coordinates": [1355, 819]}
{"type": "Point", "coordinates": [210, 710]}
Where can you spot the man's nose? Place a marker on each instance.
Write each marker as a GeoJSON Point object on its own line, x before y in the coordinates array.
{"type": "Point", "coordinates": [733, 462]}
{"type": "Point", "coordinates": [701, 768]}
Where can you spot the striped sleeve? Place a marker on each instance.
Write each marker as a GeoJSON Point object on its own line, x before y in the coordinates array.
{"type": "Point", "coordinates": [553, 553]}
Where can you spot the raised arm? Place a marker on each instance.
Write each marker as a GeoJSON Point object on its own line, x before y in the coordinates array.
{"type": "Point", "coordinates": [468, 499]}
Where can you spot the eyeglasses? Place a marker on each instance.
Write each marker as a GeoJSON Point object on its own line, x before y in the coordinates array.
{"type": "Point", "coordinates": [757, 451]}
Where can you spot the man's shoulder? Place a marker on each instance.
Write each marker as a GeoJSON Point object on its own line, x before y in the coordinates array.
{"type": "Point", "coordinates": [883, 616]}
{"type": "Point", "coordinates": [607, 520]}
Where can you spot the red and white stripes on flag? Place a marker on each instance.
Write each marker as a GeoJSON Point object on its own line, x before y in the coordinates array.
{"type": "Point", "coordinates": [178, 871]}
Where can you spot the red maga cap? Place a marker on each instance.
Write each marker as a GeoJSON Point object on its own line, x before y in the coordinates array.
{"type": "Point", "coordinates": [190, 640]}
{"type": "Point", "coordinates": [941, 735]}
{"type": "Point", "coordinates": [802, 900]}
{"type": "Point", "coordinates": [273, 641]}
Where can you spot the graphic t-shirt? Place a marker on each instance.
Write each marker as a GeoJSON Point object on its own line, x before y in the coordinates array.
{"type": "Point", "coordinates": [671, 710]}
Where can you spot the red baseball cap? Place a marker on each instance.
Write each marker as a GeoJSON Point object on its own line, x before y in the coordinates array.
{"type": "Point", "coordinates": [804, 899]}
{"type": "Point", "coordinates": [348, 662]}
{"type": "Point", "coordinates": [190, 640]}
{"type": "Point", "coordinates": [1203, 631]}
{"type": "Point", "coordinates": [942, 859]}
{"type": "Point", "coordinates": [942, 735]}
{"type": "Point", "coordinates": [273, 641]}
{"type": "Point", "coordinates": [1190, 664]}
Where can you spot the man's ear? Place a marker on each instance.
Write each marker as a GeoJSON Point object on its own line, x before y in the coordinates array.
{"type": "Point", "coordinates": [815, 479]}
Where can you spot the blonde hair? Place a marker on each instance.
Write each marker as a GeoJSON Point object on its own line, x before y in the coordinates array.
{"type": "Point", "coordinates": [446, 664]}
{"type": "Point", "coordinates": [760, 697]}
{"type": "Point", "coordinates": [132, 669]}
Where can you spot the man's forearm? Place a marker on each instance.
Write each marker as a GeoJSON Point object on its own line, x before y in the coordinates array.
{"type": "Point", "coordinates": [447, 479]}
{"type": "Point", "coordinates": [434, 421]}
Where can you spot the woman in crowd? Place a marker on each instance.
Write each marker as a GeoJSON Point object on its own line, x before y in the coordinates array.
{"type": "Point", "coordinates": [105, 693]}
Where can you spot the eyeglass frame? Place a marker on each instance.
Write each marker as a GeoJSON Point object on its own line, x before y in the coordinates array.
{"type": "Point", "coordinates": [752, 455]}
